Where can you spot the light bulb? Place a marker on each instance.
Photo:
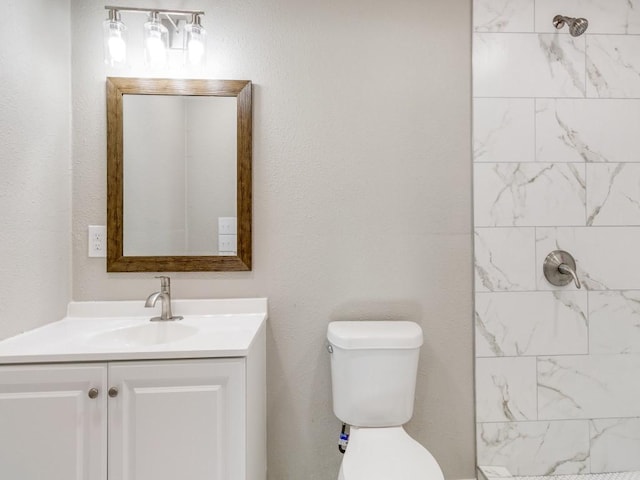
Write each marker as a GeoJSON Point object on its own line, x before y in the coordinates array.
{"type": "Point", "coordinates": [155, 49]}
{"type": "Point", "coordinates": [156, 38]}
{"type": "Point", "coordinates": [115, 40]}
{"type": "Point", "coordinates": [195, 52]}
{"type": "Point", "coordinates": [117, 50]}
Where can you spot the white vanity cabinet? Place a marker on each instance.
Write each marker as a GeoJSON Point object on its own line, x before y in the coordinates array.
{"type": "Point", "coordinates": [105, 394]}
{"type": "Point", "coordinates": [147, 420]}
{"type": "Point", "coordinates": [177, 420]}
{"type": "Point", "coordinates": [49, 427]}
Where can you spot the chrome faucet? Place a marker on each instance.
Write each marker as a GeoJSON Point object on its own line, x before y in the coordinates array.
{"type": "Point", "coordinates": [165, 296]}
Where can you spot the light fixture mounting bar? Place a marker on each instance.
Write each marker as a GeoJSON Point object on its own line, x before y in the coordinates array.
{"type": "Point", "coordinates": [159, 10]}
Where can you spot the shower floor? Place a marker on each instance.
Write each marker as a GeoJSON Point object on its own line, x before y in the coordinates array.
{"type": "Point", "coordinates": [501, 473]}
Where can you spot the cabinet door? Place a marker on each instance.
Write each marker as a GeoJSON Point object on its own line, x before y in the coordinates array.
{"type": "Point", "coordinates": [178, 419]}
{"type": "Point", "coordinates": [49, 427]}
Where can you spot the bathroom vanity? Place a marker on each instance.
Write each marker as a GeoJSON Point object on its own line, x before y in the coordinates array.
{"type": "Point", "coordinates": [105, 394]}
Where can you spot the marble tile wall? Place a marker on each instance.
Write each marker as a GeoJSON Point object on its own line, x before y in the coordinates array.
{"type": "Point", "coordinates": [557, 165]}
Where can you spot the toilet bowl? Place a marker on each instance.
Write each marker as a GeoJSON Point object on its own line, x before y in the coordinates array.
{"type": "Point", "coordinates": [374, 365]}
{"type": "Point", "coordinates": [387, 454]}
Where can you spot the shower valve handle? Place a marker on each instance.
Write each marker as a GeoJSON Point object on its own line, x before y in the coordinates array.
{"type": "Point", "coordinates": [567, 270]}
{"type": "Point", "coordinates": [560, 269]}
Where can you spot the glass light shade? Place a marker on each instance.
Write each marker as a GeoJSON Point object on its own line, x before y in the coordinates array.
{"type": "Point", "coordinates": [115, 42]}
{"type": "Point", "coordinates": [156, 41]}
{"type": "Point", "coordinates": [195, 43]}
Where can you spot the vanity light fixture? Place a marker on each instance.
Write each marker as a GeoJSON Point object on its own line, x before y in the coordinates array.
{"type": "Point", "coordinates": [195, 41]}
{"type": "Point", "coordinates": [115, 40]}
{"type": "Point", "coordinates": [156, 42]}
{"type": "Point", "coordinates": [187, 26]}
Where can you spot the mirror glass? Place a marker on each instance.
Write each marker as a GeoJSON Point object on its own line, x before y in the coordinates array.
{"type": "Point", "coordinates": [178, 175]}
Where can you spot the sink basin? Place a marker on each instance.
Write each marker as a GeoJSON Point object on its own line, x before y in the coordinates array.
{"type": "Point", "coordinates": [121, 331]}
{"type": "Point", "coordinates": [147, 334]}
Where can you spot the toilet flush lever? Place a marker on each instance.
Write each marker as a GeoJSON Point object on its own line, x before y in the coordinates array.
{"type": "Point", "coordinates": [560, 269]}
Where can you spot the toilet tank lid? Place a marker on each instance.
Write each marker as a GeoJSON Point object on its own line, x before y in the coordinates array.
{"type": "Point", "coordinates": [374, 334]}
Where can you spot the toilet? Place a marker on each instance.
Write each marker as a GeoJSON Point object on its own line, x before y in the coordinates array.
{"type": "Point", "coordinates": [373, 377]}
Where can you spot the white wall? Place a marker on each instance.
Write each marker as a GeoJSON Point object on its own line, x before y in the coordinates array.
{"type": "Point", "coordinates": [362, 199]}
{"type": "Point", "coordinates": [35, 155]}
{"type": "Point", "coordinates": [557, 167]}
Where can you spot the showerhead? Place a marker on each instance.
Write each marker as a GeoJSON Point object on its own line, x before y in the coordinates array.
{"type": "Point", "coordinates": [577, 26]}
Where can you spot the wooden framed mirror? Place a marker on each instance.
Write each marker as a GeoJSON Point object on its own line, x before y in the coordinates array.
{"type": "Point", "coordinates": [178, 175]}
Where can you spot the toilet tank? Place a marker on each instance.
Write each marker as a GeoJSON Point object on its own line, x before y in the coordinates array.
{"type": "Point", "coordinates": [373, 371]}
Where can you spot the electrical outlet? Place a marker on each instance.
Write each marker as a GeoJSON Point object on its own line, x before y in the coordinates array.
{"type": "Point", "coordinates": [97, 241]}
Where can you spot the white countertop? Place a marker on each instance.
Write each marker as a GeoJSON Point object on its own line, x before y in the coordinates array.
{"type": "Point", "coordinates": [108, 331]}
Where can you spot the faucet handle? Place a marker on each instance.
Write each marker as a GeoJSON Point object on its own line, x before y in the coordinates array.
{"type": "Point", "coordinates": [560, 269]}
{"type": "Point", "coordinates": [165, 283]}
{"type": "Point", "coordinates": [568, 270]}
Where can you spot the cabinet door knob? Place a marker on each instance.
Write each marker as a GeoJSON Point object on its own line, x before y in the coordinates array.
{"type": "Point", "coordinates": [113, 392]}
{"type": "Point", "coordinates": [93, 393]}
